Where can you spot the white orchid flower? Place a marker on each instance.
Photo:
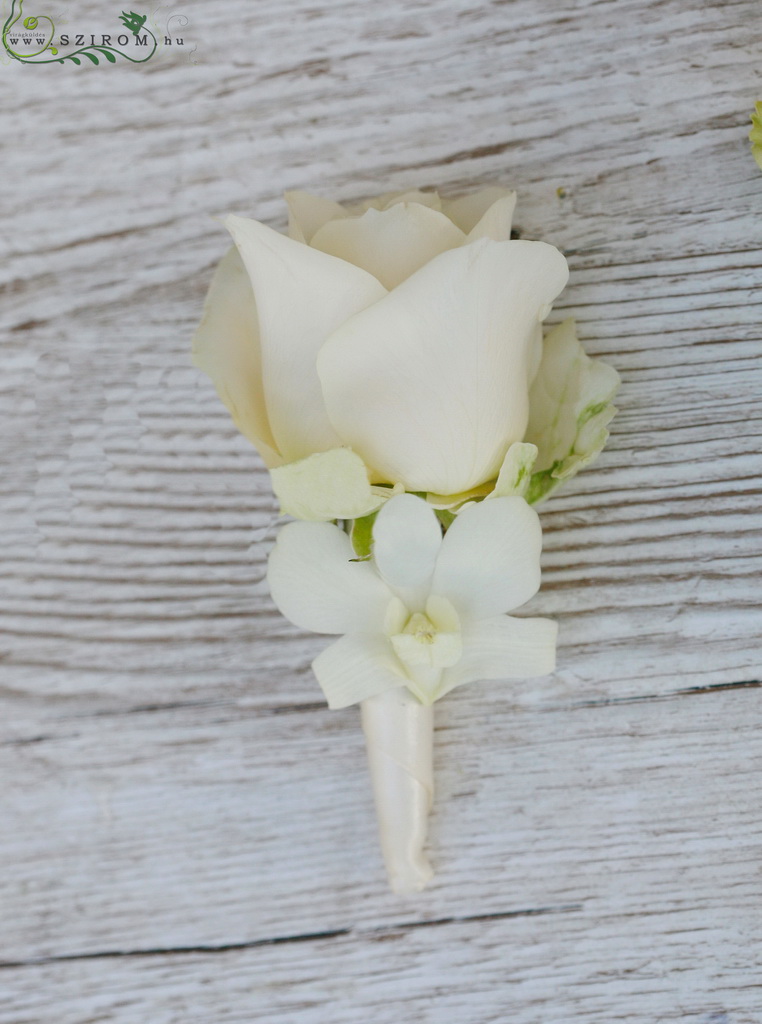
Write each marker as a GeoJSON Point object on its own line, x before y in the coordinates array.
{"type": "Point", "coordinates": [423, 615]}
{"type": "Point", "coordinates": [426, 611]}
{"type": "Point", "coordinates": [383, 347]}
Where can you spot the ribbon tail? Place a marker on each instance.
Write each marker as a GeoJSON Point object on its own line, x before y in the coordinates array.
{"type": "Point", "coordinates": [399, 733]}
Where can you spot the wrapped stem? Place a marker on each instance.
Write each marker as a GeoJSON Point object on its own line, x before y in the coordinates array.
{"type": "Point", "coordinates": [399, 734]}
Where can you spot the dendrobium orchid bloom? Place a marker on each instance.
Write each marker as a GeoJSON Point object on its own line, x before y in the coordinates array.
{"type": "Point", "coordinates": [425, 611]}
{"type": "Point", "coordinates": [424, 614]}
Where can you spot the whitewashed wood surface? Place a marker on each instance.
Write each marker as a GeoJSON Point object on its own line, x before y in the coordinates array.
{"type": "Point", "coordinates": [186, 833]}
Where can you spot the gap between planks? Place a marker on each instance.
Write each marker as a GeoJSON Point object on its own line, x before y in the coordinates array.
{"type": "Point", "coordinates": [378, 932]}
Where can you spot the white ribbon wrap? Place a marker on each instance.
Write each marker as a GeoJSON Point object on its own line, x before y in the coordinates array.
{"type": "Point", "coordinates": [399, 734]}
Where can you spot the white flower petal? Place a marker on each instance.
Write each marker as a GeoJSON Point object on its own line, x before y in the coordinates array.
{"type": "Point", "coordinates": [412, 195]}
{"type": "Point", "coordinates": [570, 404]}
{"type": "Point", "coordinates": [516, 471]}
{"type": "Point", "coordinates": [226, 346]}
{"type": "Point", "coordinates": [496, 221]}
{"type": "Point", "coordinates": [356, 667]}
{"type": "Point", "coordinates": [489, 561]}
{"type": "Point", "coordinates": [421, 644]}
{"type": "Point", "coordinates": [423, 681]}
{"type": "Point", "coordinates": [390, 244]}
{"type": "Point", "coordinates": [307, 213]}
{"type": "Point", "coordinates": [503, 648]}
{"type": "Point", "coordinates": [442, 614]}
{"type": "Point", "coordinates": [301, 295]}
{"type": "Point", "coordinates": [396, 617]}
{"type": "Point", "coordinates": [429, 385]}
{"type": "Point", "coordinates": [535, 357]}
{"type": "Point", "coordinates": [406, 540]}
{"type": "Point", "coordinates": [466, 211]}
{"type": "Point", "coordinates": [327, 485]}
{"type": "Point", "coordinates": [383, 202]}
{"type": "Point", "coordinates": [316, 584]}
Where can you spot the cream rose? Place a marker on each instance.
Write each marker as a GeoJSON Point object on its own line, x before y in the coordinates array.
{"type": "Point", "coordinates": [397, 345]}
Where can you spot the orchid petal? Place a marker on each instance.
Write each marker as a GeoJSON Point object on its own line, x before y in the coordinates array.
{"type": "Point", "coordinates": [226, 347]}
{"type": "Point", "coordinates": [570, 405]}
{"type": "Point", "coordinates": [317, 583]}
{"type": "Point", "coordinates": [466, 211]}
{"type": "Point", "coordinates": [440, 649]}
{"type": "Point", "coordinates": [327, 485]}
{"type": "Point", "coordinates": [301, 295]}
{"type": "Point", "coordinates": [406, 540]}
{"type": "Point", "coordinates": [390, 244]}
{"type": "Point", "coordinates": [356, 667]}
{"type": "Point", "coordinates": [307, 213]}
{"type": "Point", "coordinates": [450, 345]}
{"type": "Point", "coordinates": [503, 648]}
{"type": "Point", "coordinates": [489, 561]}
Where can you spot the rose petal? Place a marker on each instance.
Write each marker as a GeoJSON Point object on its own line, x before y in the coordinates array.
{"type": "Point", "coordinates": [390, 244]}
{"type": "Point", "coordinates": [301, 296]}
{"type": "Point", "coordinates": [496, 221]}
{"type": "Point", "coordinates": [316, 584]}
{"type": "Point", "coordinates": [412, 195]}
{"type": "Point", "coordinates": [489, 561]}
{"type": "Point", "coordinates": [466, 211]}
{"type": "Point", "coordinates": [570, 404]}
{"type": "Point", "coordinates": [327, 485]}
{"type": "Point", "coordinates": [356, 667]}
{"type": "Point", "coordinates": [406, 540]}
{"type": "Point", "coordinates": [503, 648]}
{"type": "Point", "coordinates": [535, 356]}
{"type": "Point", "coordinates": [307, 213]}
{"type": "Point", "coordinates": [515, 472]}
{"type": "Point", "coordinates": [383, 202]}
{"type": "Point", "coordinates": [429, 385]}
{"type": "Point", "coordinates": [226, 346]}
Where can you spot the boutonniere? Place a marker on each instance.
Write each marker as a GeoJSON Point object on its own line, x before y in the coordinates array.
{"type": "Point", "coordinates": [388, 362]}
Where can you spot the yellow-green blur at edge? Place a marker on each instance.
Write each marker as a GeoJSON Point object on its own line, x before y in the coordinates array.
{"type": "Point", "coordinates": [755, 135]}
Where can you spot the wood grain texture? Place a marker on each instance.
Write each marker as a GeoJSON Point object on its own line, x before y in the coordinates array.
{"type": "Point", "coordinates": [186, 833]}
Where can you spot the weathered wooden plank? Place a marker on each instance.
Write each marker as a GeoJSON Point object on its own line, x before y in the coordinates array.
{"type": "Point", "coordinates": [169, 777]}
{"type": "Point", "coordinates": [210, 823]}
{"type": "Point", "coordinates": [525, 968]}
{"type": "Point", "coordinates": [604, 860]}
